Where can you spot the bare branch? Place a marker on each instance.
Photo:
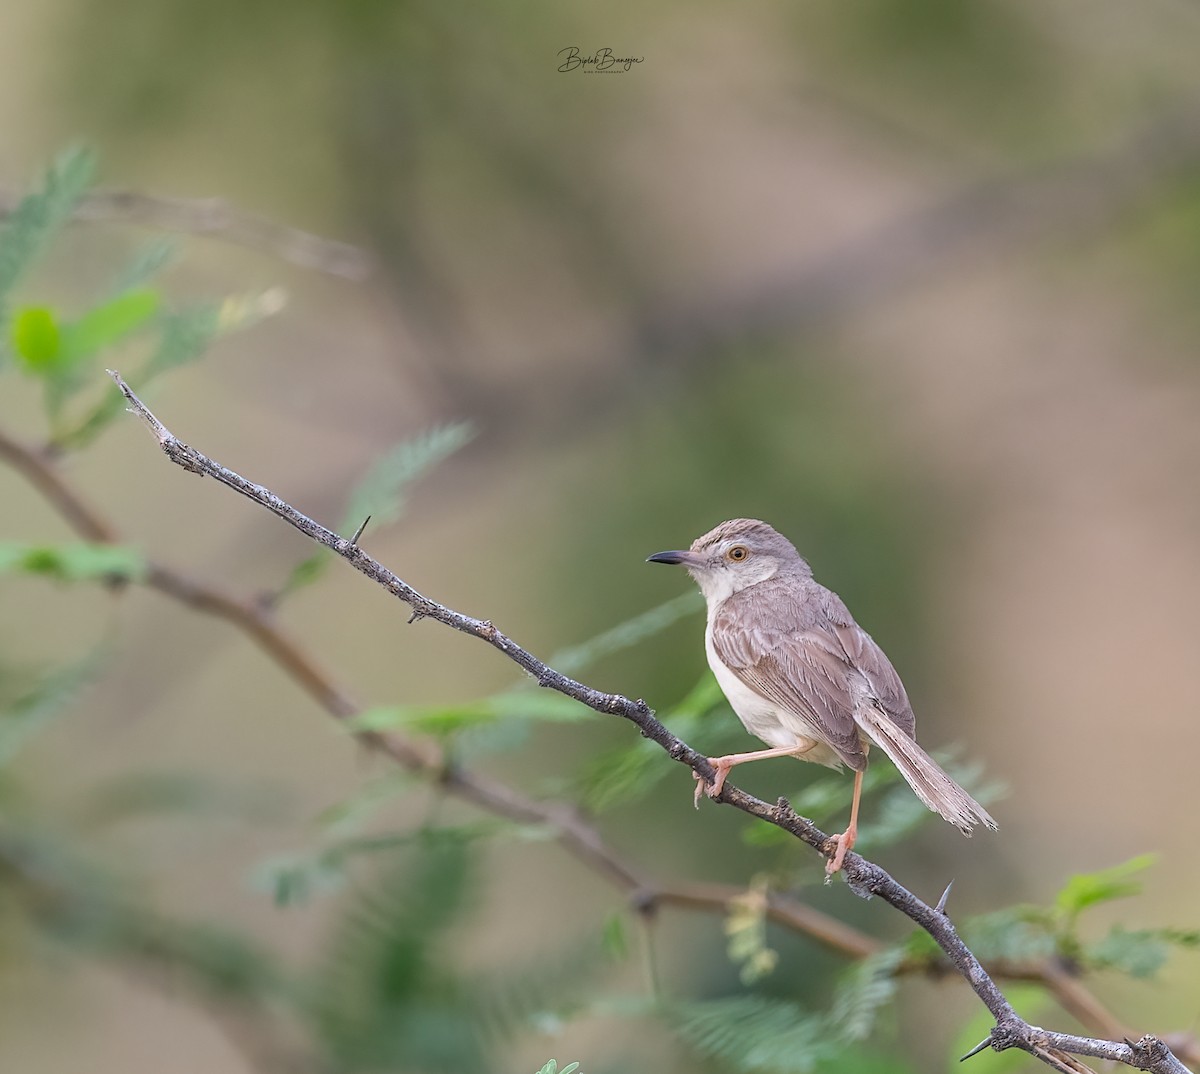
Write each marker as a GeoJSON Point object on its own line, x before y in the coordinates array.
{"type": "Point", "coordinates": [219, 219]}
{"type": "Point", "coordinates": [38, 469]}
{"type": "Point", "coordinates": [1149, 1053]}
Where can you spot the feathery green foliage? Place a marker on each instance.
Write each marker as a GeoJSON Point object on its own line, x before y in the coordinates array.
{"type": "Point", "coordinates": [45, 702]}
{"type": "Point", "coordinates": [545, 705]}
{"type": "Point", "coordinates": [63, 351]}
{"type": "Point", "coordinates": [755, 1034]}
{"type": "Point", "coordinates": [1138, 952]}
{"type": "Point", "coordinates": [384, 997]}
{"type": "Point", "coordinates": [76, 562]}
{"type": "Point", "coordinates": [544, 989]}
{"type": "Point", "coordinates": [746, 929]}
{"type": "Point", "coordinates": [38, 217]}
{"type": "Point", "coordinates": [1016, 932]}
{"type": "Point", "coordinates": [148, 262]}
{"type": "Point", "coordinates": [627, 774]}
{"type": "Point", "coordinates": [381, 492]}
{"type": "Point", "coordinates": [864, 990]}
{"type": "Point", "coordinates": [293, 879]}
{"type": "Point", "coordinates": [1090, 889]}
{"type": "Point", "coordinates": [184, 336]}
{"type": "Point", "coordinates": [575, 658]}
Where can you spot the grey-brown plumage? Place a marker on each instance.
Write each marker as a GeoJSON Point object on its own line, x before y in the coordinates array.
{"type": "Point", "coordinates": [801, 674]}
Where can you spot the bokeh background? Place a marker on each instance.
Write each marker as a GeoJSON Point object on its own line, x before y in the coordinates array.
{"type": "Point", "coordinates": [914, 280]}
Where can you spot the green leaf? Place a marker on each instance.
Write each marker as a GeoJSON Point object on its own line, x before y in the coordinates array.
{"type": "Point", "coordinates": [295, 879]}
{"type": "Point", "coordinates": [386, 996]}
{"type": "Point", "coordinates": [625, 635]}
{"type": "Point", "coordinates": [380, 493]}
{"type": "Point", "coordinates": [67, 368]}
{"type": "Point", "coordinates": [552, 1068]}
{"type": "Point", "coordinates": [306, 572]}
{"type": "Point", "coordinates": [41, 213]}
{"type": "Point", "coordinates": [1138, 952]}
{"type": "Point", "coordinates": [41, 705]}
{"type": "Point", "coordinates": [106, 324]}
{"type": "Point", "coordinates": [1018, 933]}
{"type": "Point", "coordinates": [351, 812]}
{"type": "Point", "coordinates": [544, 705]}
{"type": "Point", "coordinates": [73, 562]}
{"type": "Point", "coordinates": [864, 990]}
{"type": "Point", "coordinates": [629, 773]}
{"type": "Point", "coordinates": [755, 1034]}
{"type": "Point", "coordinates": [613, 938]}
{"type": "Point", "coordinates": [186, 335]}
{"type": "Point", "coordinates": [36, 338]}
{"type": "Point", "coordinates": [544, 988]}
{"type": "Point", "coordinates": [149, 262]}
{"type": "Point", "coordinates": [1088, 889]}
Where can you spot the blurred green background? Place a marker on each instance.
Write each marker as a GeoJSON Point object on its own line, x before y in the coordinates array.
{"type": "Point", "coordinates": [914, 280]}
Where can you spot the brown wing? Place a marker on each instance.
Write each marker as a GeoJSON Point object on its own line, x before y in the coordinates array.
{"type": "Point", "coordinates": [803, 671]}
{"type": "Point", "coordinates": [862, 652]}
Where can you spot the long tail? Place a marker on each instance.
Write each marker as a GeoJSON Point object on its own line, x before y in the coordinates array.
{"type": "Point", "coordinates": [936, 789]}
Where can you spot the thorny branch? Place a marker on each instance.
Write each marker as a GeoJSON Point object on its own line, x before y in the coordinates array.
{"type": "Point", "coordinates": [1055, 1049]}
{"type": "Point", "coordinates": [573, 830]}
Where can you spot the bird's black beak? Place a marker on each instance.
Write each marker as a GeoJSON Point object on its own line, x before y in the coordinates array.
{"type": "Point", "coordinates": [669, 557]}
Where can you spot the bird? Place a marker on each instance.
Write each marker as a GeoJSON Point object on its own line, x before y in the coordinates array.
{"type": "Point", "coordinates": [802, 675]}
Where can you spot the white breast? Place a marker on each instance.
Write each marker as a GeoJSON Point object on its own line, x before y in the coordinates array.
{"type": "Point", "coordinates": [763, 718]}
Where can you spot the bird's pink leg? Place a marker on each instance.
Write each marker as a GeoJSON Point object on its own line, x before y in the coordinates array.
{"type": "Point", "coordinates": [845, 841]}
{"type": "Point", "coordinates": [724, 764]}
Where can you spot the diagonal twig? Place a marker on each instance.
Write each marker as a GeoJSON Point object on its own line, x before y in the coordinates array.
{"type": "Point", "coordinates": [219, 219]}
{"type": "Point", "coordinates": [1010, 1031]}
{"type": "Point", "coordinates": [573, 831]}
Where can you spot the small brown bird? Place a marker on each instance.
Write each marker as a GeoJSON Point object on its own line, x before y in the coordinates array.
{"type": "Point", "coordinates": [802, 675]}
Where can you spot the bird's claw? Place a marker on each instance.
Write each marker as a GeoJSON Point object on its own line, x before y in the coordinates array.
{"type": "Point", "coordinates": [711, 789]}
{"type": "Point", "coordinates": [844, 842]}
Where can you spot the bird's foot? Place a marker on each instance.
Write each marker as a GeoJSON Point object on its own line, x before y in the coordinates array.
{"type": "Point", "coordinates": [845, 843]}
{"type": "Point", "coordinates": [711, 789]}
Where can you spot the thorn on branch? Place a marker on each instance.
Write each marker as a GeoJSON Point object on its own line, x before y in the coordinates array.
{"type": "Point", "coordinates": [985, 1043]}
{"type": "Point", "coordinates": [416, 617]}
{"type": "Point", "coordinates": [941, 905]}
{"type": "Point", "coordinates": [359, 532]}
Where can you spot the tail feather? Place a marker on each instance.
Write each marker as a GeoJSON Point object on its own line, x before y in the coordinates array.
{"type": "Point", "coordinates": [936, 789]}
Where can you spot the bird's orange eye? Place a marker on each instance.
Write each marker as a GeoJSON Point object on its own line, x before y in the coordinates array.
{"type": "Point", "coordinates": [738, 552]}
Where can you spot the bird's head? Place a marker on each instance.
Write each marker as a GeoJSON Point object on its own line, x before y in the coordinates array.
{"type": "Point", "coordinates": [736, 554]}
